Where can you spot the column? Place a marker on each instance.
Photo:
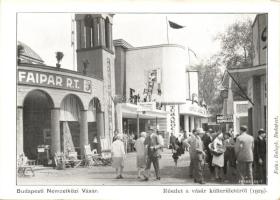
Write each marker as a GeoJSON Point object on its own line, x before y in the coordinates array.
{"type": "Point", "coordinates": [83, 130]}
{"type": "Point", "coordinates": [119, 124]}
{"type": "Point", "coordinates": [55, 130]}
{"type": "Point", "coordinates": [19, 130]}
{"type": "Point", "coordinates": [192, 122]}
{"type": "Point", "coordinates": [186, 123]}
{"type": "Point", "coordinates": [101, 32]}
{"type": "Point", "coordinates": [100, 129]}
{"type": "Point", "coordinates": [88, 37]}
{"type": "Point", "coordinates": [95, 32]}
{"type": "Point", "coordinates": [110, 37]}
{"type": "Point", "coordinates": [137, 126]}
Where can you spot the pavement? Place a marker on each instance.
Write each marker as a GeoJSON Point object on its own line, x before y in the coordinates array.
{"type": "Point", "coordinates": [105, 175]}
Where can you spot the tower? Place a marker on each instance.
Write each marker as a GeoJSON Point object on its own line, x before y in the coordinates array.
{"type": "Point", "coordinates": [94, 43]}
{"type": "Point", "coordinates": [95, 58]}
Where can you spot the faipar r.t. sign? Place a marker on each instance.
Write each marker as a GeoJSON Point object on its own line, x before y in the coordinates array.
{"type": "Point", "coordinates": [52, 80]}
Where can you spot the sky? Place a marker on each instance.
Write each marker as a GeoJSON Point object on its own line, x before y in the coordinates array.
{"type": "Point", "coordinates": [47, 33]}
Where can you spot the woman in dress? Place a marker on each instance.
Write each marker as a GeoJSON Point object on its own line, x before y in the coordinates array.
{"type": "Point", "coordinates": [218, 156]}
{"type": "Point", "coordinates": [178, 148]}
{"type": "Point", "coordinates": [141, 154]}
{"type": "Point", "coordinates": [118, 155]}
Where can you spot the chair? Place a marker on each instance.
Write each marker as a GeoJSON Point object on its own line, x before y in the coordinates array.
{"type": "Point", "coordinates": [60, 161]}
{"type": "Point", "coordinates": [25, 166]}
{"type": "Point", "coordinates": [73, 159]}
{"type": "Point", "coordinates": [88, 156]}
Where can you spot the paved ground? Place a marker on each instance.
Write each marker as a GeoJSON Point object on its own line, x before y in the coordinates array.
{"type": "Point", "coordinates": [105, 175]}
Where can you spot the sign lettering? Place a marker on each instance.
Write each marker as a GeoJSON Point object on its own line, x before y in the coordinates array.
{"type": "Point", "coordinates": [224, 119]}
{"type": "Point", "coordinates": [46, 79]}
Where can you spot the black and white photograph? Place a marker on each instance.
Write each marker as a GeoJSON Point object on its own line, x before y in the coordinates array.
{"type": "Point", "coordinates": [121, 100]}
{"type": "Point", "coordinates": [108, 100]}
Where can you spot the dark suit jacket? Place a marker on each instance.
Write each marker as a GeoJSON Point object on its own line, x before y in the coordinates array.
{"type": "Point", "coordinates": [153, 145]}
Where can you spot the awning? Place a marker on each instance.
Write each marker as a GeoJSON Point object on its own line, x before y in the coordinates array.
{"type": "Point", "coordinates": [244, 73]}
{"type": "Point", "coordinates": [131, 111]}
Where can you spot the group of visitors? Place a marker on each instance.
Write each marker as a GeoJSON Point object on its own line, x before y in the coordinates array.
{"type": "Point", "coordinates": [148, 147]}
{"type": "Point", "coordinates": [227, 156]}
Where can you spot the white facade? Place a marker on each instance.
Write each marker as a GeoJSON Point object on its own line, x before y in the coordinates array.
{"type": "Point", "coordinates": [171, 62]}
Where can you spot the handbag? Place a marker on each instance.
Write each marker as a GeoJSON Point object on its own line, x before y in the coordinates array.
{"type": "Point", "coordinates": [217, 152]}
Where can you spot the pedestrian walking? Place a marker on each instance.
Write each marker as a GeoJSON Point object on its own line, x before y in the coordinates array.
{"type": "Point", "coordinates": [178, 148]}
{"type": "Point", "coordinates": [190, 146]}
{"type": "Point", "coordinates": [198, 158]}
{"type": "Point", "coordinates": [218, 156]}
{"type": "Point", "coordinates": [141, 154]}
{"type": "Point", "coordinates": [172, 141]}
{"type": "Point", "coordinates": [118, 155]}
{"type": "Point", "coordinates": [153, 147]}
{"type": "Point", "coordinates": [244, 148]}
{"type": "Point", "coordinates": [260, 157]}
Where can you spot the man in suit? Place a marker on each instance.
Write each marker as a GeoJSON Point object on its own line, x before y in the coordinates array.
{"type": "Point", "coordinates": [260, 157]}
{"type": "Point", "coordinates": [207, 139]}
{"type": "Point", "coordinates": [244, 148]}
{"type": "Point", "coordinates": [153, 146]}
{"type": "Point", "coordinates": [198, 157]}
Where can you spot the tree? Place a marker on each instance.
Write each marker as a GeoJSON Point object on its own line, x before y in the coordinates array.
{"type": "Point", "coordinates": [237, 45]}
{"type": "Point", "coordinates": [209, 77]}
{"type": "Point", "coordinates": [237, 51]}
{"type": "Point", "coordinates": [59, 55]}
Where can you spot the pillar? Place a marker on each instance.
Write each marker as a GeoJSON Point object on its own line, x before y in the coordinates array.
{"type": "Point", "coordinates": [101, 32]}
{"type": "Point", "coordinates": [137, 126]}
{"type": "Point", "coordinates": [83, 131]}
{"type": "Point", "coordinates": [119, 124]}
{"type": "Point", "coordinates": [186, 123]}
{"type": "Point", "coordinates": [95, 32]}
{"type": "Point", "coordinates": [192, 122]}
{"type": "Point", "coordinates": [100, 129]}
{"type": "Point", "coordinates": [19, 130]}
{"type": "Point", "coordinates": [55, 131]}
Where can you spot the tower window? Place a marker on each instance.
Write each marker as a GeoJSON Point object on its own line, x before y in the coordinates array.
{"type": "Point", "coordinates": [107, 33]}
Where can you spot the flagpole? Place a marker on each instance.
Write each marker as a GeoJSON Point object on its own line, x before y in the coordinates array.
{"type": "Point", "coordinates": [167, 30]}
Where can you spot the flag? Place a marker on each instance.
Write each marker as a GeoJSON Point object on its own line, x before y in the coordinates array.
{"type": "Point", "coordinates": [174, 25]}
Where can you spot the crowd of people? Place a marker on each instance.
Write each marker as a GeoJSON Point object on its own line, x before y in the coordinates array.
{"type": "Point", "coordinates": [229, 158]}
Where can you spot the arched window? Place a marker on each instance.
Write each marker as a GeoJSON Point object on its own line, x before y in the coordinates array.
{"type": "Point", "coordinates": [107, 33]}
{"type": "Point", "coordinates": [88, 21]}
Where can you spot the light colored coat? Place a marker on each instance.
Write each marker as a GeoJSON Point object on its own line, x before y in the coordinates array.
{"type": "Point", "coordinates": [244, 148]}
{"type": "Point", "coordinates": [117, 149]}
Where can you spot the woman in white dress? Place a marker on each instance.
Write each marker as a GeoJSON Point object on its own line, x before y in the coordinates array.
{"type": "Point", "coordinates": [218, 156]}
{"type": "Point", "coordinates": [141, 154]}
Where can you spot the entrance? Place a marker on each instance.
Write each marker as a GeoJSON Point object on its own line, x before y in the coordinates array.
{"type": "Point", "coordinates": [95, 124]}
{"type": "Point", "coordinates": [70, 127]}
{"type": "Point", "coordinates": [36, 122]}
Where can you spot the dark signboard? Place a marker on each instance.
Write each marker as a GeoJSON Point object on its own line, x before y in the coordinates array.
{"type": "Point", "coordinates": [52, 80]}
{"type": "Point", "coordinates": [224, 119]}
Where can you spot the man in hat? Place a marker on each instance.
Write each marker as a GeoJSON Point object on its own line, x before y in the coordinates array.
{"type": "Point", "coordinates": [198, 157]}
{"type": "Point", "coordinates": [260, 156]}
{"type": "Point", "coordinates": [207, 139]}
{"type": "Point", "coordinates": [153, 146]}
{"type": "Point", "coordinates": [244, 147]}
